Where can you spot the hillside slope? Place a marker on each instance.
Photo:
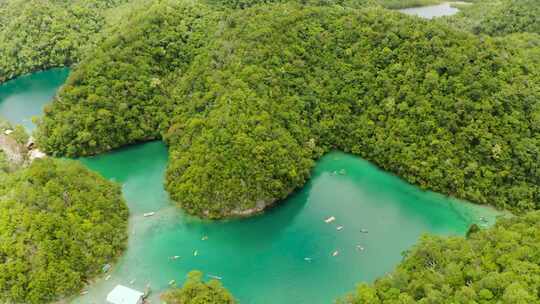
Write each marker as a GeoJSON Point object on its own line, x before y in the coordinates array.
{"type": "Point", "coordinates": [246, 107]}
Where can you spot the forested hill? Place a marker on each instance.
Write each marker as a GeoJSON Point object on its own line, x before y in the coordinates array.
{"type": "Point", "coordinates": [247, 107]}
{"type": "Point", "coordinates": [499, 265]}
{"type": "Point", "coordinates": [37, 34]}
{"type": "Point", "coordinates": [498, 17]}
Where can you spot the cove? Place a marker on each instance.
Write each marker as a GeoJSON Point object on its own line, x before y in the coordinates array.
{"type": "Point", "coordinates": [25, 97]}
{"type": "Point", "coordinates": [261, 259]}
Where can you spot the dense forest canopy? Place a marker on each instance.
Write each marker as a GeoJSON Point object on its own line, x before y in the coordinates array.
{"type": "Point", "coordinates": [513, 16]}
{"type": "Point", "coordinates": [246, 107]}
{"type": "Point", "coordinates": [498, 17]}
{"type": "Point", "coordinates": [59, 224]}
{"type": "Point", "coordinates": [37, 34]}
{"type": "Point", "coordinates": [498, 265]}
{"type": "Point", "coordinates": [196, 291]}
{"type": "Point", "coordinates": [153, 43]}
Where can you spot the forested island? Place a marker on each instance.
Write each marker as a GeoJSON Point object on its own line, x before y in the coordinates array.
{"type": "Point", "coordinates": [246, 108]}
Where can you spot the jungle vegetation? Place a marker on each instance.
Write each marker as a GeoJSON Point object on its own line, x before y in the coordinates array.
{"type": "Point", "coordinates": [196, 291]}
{"type": "Point", "coordinates": [246, 108]}
{"type": "Point", "coordinates": [498, 265]}
{"type": "Point", "coordinates": [4, 164]}
{"type": "Point", "coordinates": [498, 17]}
{"type": "Point", "coordinates": [399, 4]}
{"type": "Point", "coordinates": [36, 34]}
{"type": "Point", "coordinates": [59, 224]}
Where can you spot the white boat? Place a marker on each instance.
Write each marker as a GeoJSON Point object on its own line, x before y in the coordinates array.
{"type": "Point", "coordinates": [329, 220]}
{"type": "Point", "coordinates": [195, 253]}
{"type": "Point", "coordinates": [308, 259]}
{"type": "Point", "coordinates": [214, 277]}
{"type": "Point", "coordinates": [204, 238]}
{"type": "Point", "coordinates": [149, 214]}
{"type": "Point", "coordinates": [335, 253]}
{"type": "Point", "coordinates": [171, 282]}
{"type": "Point", "coordinates": [360, 248]}
{"type": "Point", "coordinates": [363, 230]}
{"type": "Point", "coordinates": [338, 228]}
{"type": "Point", "coordinates": [175, 257]}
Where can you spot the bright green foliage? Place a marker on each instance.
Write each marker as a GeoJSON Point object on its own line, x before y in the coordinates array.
{"type": "Point", "coordinates": [498, 17]}
{"type": "Point", "coordinates": [20, 135]}
{"type": "Point", "coordinates": [125, 87]}
{"type": "Point", "coordinates": [195, 291]}
{"type": "Point", "coordinates": [498, 265]}
{"type": "Point", "coordinates": [513, 16]}
{"type": "Point", "coordinates": [4, 164]}
{"type": "Point", "coordinates": [59, 224]}
{"type": "Point", "coordinates": [243, 4]}
{"type": "Point", "coordinates": [37, 34]}
{"type": "Point", "coordinates": [248, 112]}
{"type": "Point", "coordinates": [399, 4]}
{"type": "Point", "coordinates": [390, 4]}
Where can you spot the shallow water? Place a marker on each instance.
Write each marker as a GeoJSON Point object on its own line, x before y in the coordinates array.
{"type": "Point", "coordinates": [24, 97]}
{"type": "Point", "coordinates": [431, 11]}
{"type": "Point", "coordinates": [283, 256]}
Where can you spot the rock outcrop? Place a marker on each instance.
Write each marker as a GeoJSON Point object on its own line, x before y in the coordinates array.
{"type": "Point", "coordinates": [15, 153]}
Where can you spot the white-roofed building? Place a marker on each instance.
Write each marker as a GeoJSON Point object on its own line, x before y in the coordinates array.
{"type": "Point", "coordinates": [124, 295]}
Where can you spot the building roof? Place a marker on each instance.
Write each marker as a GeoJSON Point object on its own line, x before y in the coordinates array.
{"type": "Point", "coordinates": [124, 295]}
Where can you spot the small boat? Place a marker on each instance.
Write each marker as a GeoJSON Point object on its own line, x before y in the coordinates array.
{"type": "Point", "coordinates": [171, 282]}
{"type": "Point", "coordinates": [195, 253]}
{"type": "Point", "coordinates": [132, 282]}
{"type": "Point", "coordinates": [214, 277]}
{"type": "Point", "coordinates": [329, 220]}
{"type": "Point", "coordinates": [363, 230]}
{"type": "Point", "coordinates": [360, 248]}
{"type": "Point", "coordinates": [149, 214]}
{"type": "Point", "coordinates": [106, 268]}
{"type": "Point", "coordinates": [107, 277]}
{"type": "Point", "coordinates": [342, 172]}
{"type": "Point", "coordinates": [84, 292]}
{"type": "Point", "coordinates": [308, 259]}
{"type": "Point", "coordinates": [204, 238]}
{"type": "Point", "coordinates": [483, 219]}
{"type": "Point", "coordinates": [335, 253]}
{"type": "Point", "coordinates": [176, 257]}
{"type": "Point", "coordinates": [338, 228]}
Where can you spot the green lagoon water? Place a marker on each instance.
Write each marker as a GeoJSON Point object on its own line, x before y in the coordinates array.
{"type": "Point", "coordinates": [24, 97]}
{"type": "Point", "coordinates": [263, 259]}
